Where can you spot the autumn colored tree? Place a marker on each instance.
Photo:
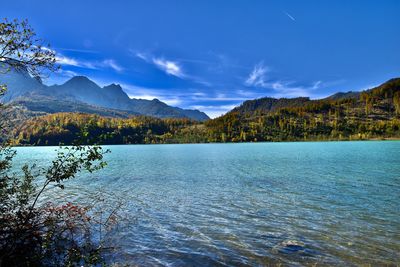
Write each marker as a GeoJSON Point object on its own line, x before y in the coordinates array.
{"type": "Point", "coordinates": [33, 233]}
{"type": "Point", "coordinates": [21, 49]}
{"type": "Point", "coordinates": [396, 102]}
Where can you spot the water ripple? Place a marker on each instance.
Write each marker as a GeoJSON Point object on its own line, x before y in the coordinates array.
{"type": "Point", "coordinates": [295, 204]}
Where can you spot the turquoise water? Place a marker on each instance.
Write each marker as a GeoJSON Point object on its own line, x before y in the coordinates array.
{"type": "Point", "coordinates": [333, 203]}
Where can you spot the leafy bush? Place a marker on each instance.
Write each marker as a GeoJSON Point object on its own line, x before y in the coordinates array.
{"type": "Point", "coordinates": [48, 234]}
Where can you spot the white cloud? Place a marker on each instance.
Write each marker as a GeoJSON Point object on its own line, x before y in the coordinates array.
{"type": "Point", "coordinates": [214, 111]}
{"type": "Point", "coordinates": [69, 61]}
{"type": "Point", "coordinates": [257, 77]}
{"type": "Point", "coordinates": [169, 67]}
{"type": "Point", "coordinates": [163, 95]}
{"type": "Point", "coordinates": [287, 89]}
{"type": "Point", "coordinates": [317, 84]}
{"type": "Point", "coordinates": [249, 94]}
{"type": "Point", "coordinates": [68, 73]}
{"type": "Point", "coordinates": [112, 64]}
{"type": "Point", "coordinates": [85, 51]}
{"type": "Point", "coordinates": [173, 101]}
{"type": "Point", "coordinates": [284, 89]}
{"type": "Point", "coordinates": [219, 98]}
{"type": "Point", "coordinates": [142, 56]}
{"type": "Point", "coordinates": [60, 77]}
{"type": "Point", "coordinates": [199, 94]}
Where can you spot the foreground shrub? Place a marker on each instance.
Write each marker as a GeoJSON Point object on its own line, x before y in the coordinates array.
{"type": "Point", "coordinates": [33, 234]}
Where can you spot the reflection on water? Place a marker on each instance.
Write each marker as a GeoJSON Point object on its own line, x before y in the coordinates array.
{"type": "Point", "coordinates": [249, 204]}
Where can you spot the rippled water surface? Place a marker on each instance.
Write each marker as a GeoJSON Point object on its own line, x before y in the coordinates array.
{"type": "Point", "coordinates": [335, 203]}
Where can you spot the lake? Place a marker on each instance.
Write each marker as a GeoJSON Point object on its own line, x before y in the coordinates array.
{"type": "Point", "coordinates": [332, 203]}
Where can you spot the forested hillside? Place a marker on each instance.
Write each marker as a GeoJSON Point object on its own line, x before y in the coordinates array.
{"type": "Point", "coordinates": [351, 116]}
{"type": "Point", "coordinates": [68, 128]}
{"type": "Point", "coordinates": [371, 114]}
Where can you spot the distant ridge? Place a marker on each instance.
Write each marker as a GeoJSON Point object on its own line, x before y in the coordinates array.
{"type": "Point", "coordinates": [267, 105]}
{"type": "Point", "coordinates": [85, 95]}
{"type": "Point", "coordinates": [341, 95]}
{"type": "Point", "coordinates": [373, 113]}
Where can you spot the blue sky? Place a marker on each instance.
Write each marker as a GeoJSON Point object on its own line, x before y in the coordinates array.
{"type": "Point", "coordinates": [213, 55]}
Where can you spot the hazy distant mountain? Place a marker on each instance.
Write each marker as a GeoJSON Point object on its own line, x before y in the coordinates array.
{"type": "Point", "coordinates": [50, 104]}
{"type": "Point", "coordinates": [19, 83]}
{"type": "Point", "coordinates": [79, 94]}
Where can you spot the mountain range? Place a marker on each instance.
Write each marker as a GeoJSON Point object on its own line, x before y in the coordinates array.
{"type": "Point", "coordinates": [80, 94]}
{"type": "Point", "coordinates": [373, 113]}
{"type": "Point", "coordinates": [370, 114]}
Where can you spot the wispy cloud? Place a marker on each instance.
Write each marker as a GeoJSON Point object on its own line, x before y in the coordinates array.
{"type": "Point", "coordinates": [81, 63]}
{"type": "Point", "coordinates": [67, 73]}
{"type": "Point", "coordinates": [67, 61]}
{"type": "Point", "coordinates": [142, 56]}
{"type": "Point", "coordinates": [289, 16]}
{"type": "Point", "coordinates": [112, 64]}
{"type": "Point", "coordinates": [289, 89]}
{"type": "Point", "coordinates": [84, 51]}
{"type": "Point", "coordinates": [172, 101]}
{"type": "Point", "coordinates": [285, 89]}
{"type": "Point", "coordinates": [60, 77]}
{"type": "Point", "coordinates": [169, 67]}
{"type": "Point", "coordinates": [163, 95]}
{"type": "Point", "coordinates": [214, 111]}
{"type": "Point", "coordinates": [257, 77]}
{"type": "Point", "coordinates": [219, 98]}
{"type": "Point", "coordinates": [317, 84]}
{"type": "Point", "coordinates": [192, 99]}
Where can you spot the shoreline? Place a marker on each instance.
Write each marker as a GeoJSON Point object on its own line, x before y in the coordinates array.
{"type": "Point", "coordinates": [219, 143]}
